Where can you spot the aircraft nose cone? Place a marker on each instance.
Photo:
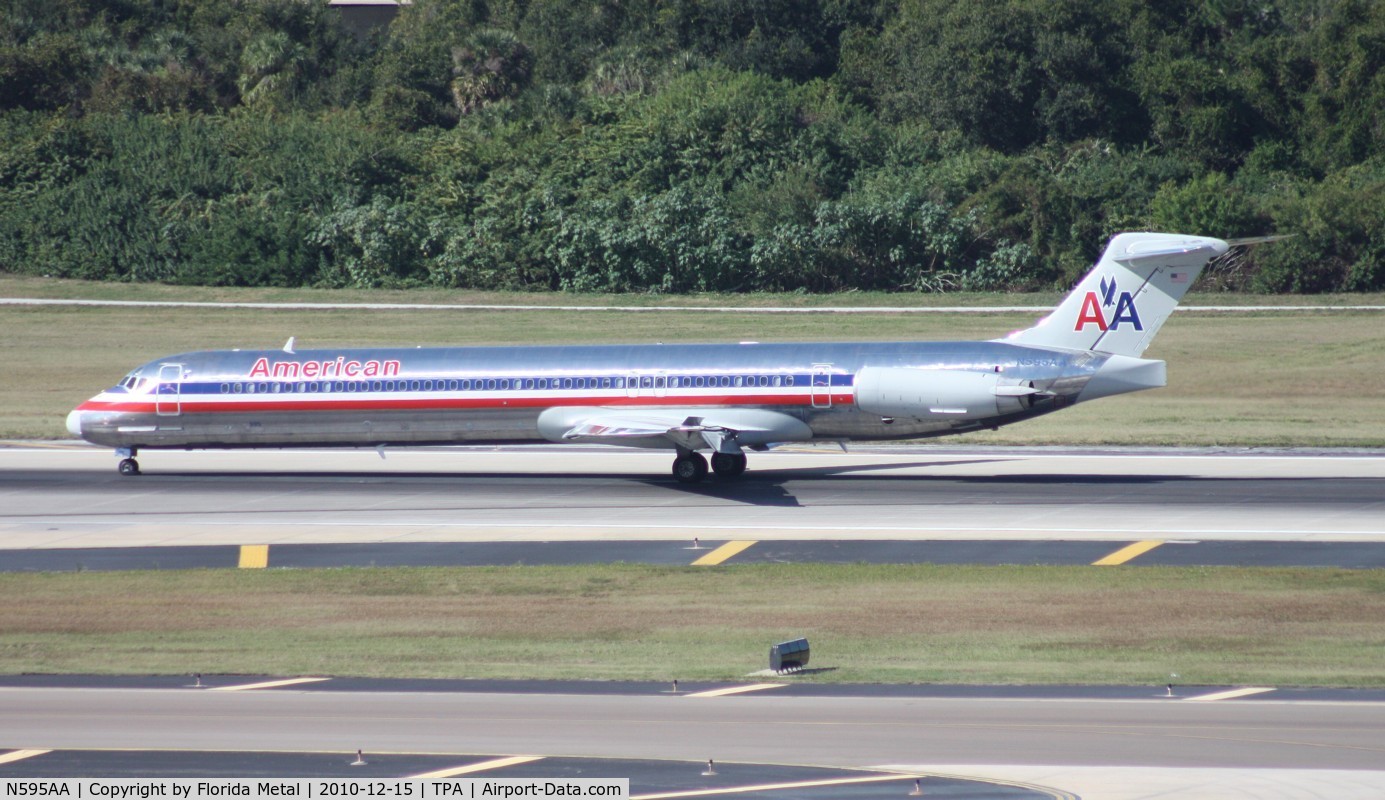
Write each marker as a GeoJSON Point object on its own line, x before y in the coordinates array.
{"type": "Point", "coordinates": [74, 423]}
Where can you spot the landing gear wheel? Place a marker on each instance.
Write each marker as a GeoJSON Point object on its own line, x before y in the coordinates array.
{"type": "Point", "coordinates": [690, 468]}
{"type": "Point", "coordinates": [128, 467]}
{"type": "Point", "coordinates": [728, 465]}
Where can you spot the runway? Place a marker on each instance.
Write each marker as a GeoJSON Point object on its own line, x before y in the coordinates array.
{"type": "Point", "coordinates": [71, 497]}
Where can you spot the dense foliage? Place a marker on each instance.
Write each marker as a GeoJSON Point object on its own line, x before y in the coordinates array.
{"type": "Point", "coordinates": [688, 145]}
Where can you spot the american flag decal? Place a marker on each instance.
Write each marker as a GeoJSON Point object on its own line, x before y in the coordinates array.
{"type": "Point", "coordinates": [1178, 277]}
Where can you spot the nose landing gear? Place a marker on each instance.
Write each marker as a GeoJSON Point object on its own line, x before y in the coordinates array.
{"type": "Point", "coordinates": [128, 466]}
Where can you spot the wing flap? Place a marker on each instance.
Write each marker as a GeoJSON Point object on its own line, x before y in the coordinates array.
{"type": "Point", "coordinates": [721, 430]}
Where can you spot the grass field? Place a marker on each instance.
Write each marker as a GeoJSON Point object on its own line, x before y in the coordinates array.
{"type": "Point", "coordinates": [1244, 379]}
{"type": "Point", "coordinates": [868, 623]}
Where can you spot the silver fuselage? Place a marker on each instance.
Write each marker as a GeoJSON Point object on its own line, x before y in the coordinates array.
{"type": "Point", "coordinates": [414, 396]}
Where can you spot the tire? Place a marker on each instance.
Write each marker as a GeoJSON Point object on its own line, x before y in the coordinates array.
{"type": "Point", "coordinates": [128, 467]}
{"type": "Point", "coordinates": [691, 468]}
{"type": "Point", "coordinates": [728, 465]}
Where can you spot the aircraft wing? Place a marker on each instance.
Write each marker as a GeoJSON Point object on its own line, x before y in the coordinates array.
{"type": "Point", "coordinates": [721, 430]}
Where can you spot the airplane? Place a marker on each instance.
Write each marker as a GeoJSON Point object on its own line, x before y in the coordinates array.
{"type": "Point", "coordinates": [725, 399]}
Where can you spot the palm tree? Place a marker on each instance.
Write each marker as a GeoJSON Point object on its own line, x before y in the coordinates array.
{"type": "Point", "coordinates": [493, 65]}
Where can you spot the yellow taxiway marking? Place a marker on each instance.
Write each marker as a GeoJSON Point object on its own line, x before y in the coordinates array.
{"type": "Point", "coordinates": [20, 755]}
{"type": "Point", "coordinates": [1227, 695]}
{"type": "Point", "coordinates": [254, 556]}
{"type": "Point", "coordinates": [750, 687]}
{"type": "Point", "coordinates": [245, 687]}
{"type": "Point", "coordinates": [770, 787]}
{"type": "Point", "coordinates": [480, 766]}
{"type": "Point", "coordinates": [722, 553]}
{"type": "Point", "coordinates": [1128, 552]}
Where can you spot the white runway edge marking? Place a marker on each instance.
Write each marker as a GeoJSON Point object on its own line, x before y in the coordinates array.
{"type": "Point", "coordinates": [1228, 695]}
{"type": "Point", "coordinates": [480, 766]}
{"type": "Point", "coordinates": [245, 687]}
{"type": "Point", "coordinates": [1109, 533]}
{"type": "Point", "coordinates": [20, 755]}
{"type": "Point", "coordinates": [754, 687]}
{"type": "Point", "coordinates": [33, 301]}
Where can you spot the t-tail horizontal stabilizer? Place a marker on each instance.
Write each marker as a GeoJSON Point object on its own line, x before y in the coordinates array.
{"type": "Point", "coordinates": [1119, 306]}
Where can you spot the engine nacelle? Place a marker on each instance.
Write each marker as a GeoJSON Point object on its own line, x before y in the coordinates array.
{"type": "Point", "coordinates": [939, 393]}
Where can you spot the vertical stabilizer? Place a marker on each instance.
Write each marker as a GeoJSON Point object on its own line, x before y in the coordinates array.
{"type": "Point", "coordinates": [1119, 306]}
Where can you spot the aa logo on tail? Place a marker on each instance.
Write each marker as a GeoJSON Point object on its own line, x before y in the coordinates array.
{"type": "Point", "coordinates": [1124, 309]}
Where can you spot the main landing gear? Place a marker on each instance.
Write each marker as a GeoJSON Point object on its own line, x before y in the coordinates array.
{"type": "Point", "coordinates": [728, 465]}
{"type": "Point", "coordinates": [692, 467]}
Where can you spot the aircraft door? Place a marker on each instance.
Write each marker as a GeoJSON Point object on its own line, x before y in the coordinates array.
{"type": "Point", "coordinates": [822, 386]}
{"type": "Point", "coordinates": [168, 398]}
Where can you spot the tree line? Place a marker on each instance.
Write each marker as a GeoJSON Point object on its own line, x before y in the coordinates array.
{"type": "Point", "coordinates": [688, 145]}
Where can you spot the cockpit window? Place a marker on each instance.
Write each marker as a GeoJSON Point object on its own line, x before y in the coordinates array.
{"type": "Point", "coordinates": [134, 384]}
